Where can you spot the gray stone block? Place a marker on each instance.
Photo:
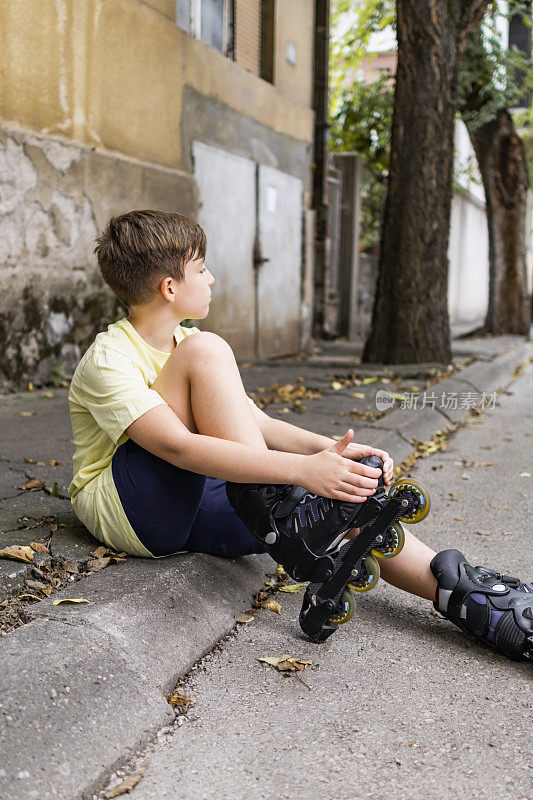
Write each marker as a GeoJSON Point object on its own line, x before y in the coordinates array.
{"type": "Point", "coordinates": [489, 376]}
{"type": "Point", "coordinates": [414, 424]}
{"type": "Point", "coordinates": [84, 703]}
{"type": "Point", "coordinates": [92, 679]}
{"type": "Point", "coordinates": [73, 542]}
{"type": "Point", "coordinates": [12, 577]}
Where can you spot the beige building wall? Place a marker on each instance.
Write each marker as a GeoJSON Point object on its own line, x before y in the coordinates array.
{"type": "Point", "coordinates": [111, 74]}
{"type": "Point", "coordinates": [100, 104]}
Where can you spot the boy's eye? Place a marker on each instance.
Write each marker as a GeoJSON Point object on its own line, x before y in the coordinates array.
{"type": "Point", "coordinates": [203, 269]}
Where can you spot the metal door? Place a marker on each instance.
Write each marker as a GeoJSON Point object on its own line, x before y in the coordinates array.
{"type": "Point", "coordinates": [228, 215]}
{"type": "Point", "coordinates": [279, 260]}
{"type": "Point", "coordinates": [252, 216]}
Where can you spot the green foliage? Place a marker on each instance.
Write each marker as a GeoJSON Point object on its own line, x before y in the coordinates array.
{"type": "Point", "coordinates": [362, 122]}
{"type": "Point", "coordinates": [352, 25]}
{"type": "Point", "coordinates": [491, 78]}
{"type": "Point", "coordinates": [361, 112]}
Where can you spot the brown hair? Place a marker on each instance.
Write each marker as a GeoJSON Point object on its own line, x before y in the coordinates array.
{"type": "Point", "coordinates": [138, 249]}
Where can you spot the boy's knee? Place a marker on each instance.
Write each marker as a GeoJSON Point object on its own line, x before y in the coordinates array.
{"type": "Point", "coordinates": [205, 343]}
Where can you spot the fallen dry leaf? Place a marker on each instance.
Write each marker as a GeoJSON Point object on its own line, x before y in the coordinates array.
{"type": "Point", "coordinates": [96, 564]}
{"type": "Point", "coordinates": [30, 584]}
{"type": "Point", "coordinates": [32, 485]}
{"type": "Point", "coordinates": [359, 395]}
{"type": "Point", "coordinates": [70, 566]}
{"type": "Point", "coordinates": [29, 460]}
{"type": "Point", "coordinates": [54, 462]}
{"type": "Point", "coordinates": [27, 596]}
{"type": "Point", "coordinates": [244, 618]}
{"type": "Point", "coordinates": [17, 552]}
{"type": "Point", "coordinates": [483, 533]}
{"type": "Point", "coordinates": [100, 551]}
{"type": "Point", "coordinates": [286, 663]}
{"type": "Point", "coordinates": [336, 386]}
{"type": "Point", "coordinates": [525, 475]}
{"type": "Point", "coordinates": [178, 700]}
{"type": "Point", "coordinates": [499, 505]}
{"type": "Point", "coordinates": [39, 547]}
{"type": "Point", "coordinates": [47, 394]}
{"type": "Point", "coordinates": [27, 413]}
{"type": "Point", "coordinates": [292, 588]}
{"type": "Point", "coordinates": [459, 519]}
{"type": "Point", "coordinates": [71, 601]}
{"type": "Point", "coordinates": [271, 605]}
{"type": "Point", "coordinates": [127, 786]}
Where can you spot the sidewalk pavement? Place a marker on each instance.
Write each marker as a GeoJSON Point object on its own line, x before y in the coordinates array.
{"type": "Point", "coordinates": [84, 685]}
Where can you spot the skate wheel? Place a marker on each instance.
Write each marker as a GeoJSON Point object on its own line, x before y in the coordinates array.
{"type": "Point", "coordinates": [347, 605]}
{"type": "Point", "coordinates": [416, 494]}
{"type": "Point", "coordinates": [394, 542]}
{"type": "Point", "coordinates": [369, 575]}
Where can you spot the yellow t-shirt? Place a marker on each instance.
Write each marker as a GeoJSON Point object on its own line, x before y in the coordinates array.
{"type": "Point", "coordinates": [110, 389]}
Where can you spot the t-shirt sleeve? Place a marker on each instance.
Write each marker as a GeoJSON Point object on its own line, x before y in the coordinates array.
{"type": "Point", "coordinates": [113, 389]}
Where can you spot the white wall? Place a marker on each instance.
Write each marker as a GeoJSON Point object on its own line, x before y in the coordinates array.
{"type": "Point", "coordinates": [468, 277]}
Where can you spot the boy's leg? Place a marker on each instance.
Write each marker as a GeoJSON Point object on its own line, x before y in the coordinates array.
{"type": "Point", "coordinates": [410, 569]}
{"type": "Point", "coordinates": [201, 383]}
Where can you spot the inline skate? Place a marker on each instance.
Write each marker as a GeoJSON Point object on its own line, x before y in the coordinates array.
{"type": "Point", "coordinates": [305, 533]}
{"type": "Point", "coordinates": [496, 609]}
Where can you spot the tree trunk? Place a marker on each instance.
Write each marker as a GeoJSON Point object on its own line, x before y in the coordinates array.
{"type": "Point", "coordinates": [502, 163]}
{"type": "Point", "coordinates": [410, 320]}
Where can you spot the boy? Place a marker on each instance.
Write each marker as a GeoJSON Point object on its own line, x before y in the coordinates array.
{"type": "Point", "coordinates": [156, 407]}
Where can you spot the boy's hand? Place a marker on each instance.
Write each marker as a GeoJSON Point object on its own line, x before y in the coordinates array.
{"type": "Point", "coordinates": [359, 451]}
{"type": "Point", "coordinates": [330, 474]}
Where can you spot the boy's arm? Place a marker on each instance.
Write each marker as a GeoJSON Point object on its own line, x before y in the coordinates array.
{"type": "Point", "coordinates": [281, 435]}
{"type": "Point", "coordinates": [326, 473]}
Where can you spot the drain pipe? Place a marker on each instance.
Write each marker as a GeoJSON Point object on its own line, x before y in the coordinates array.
{"type": "Point", "coordinates": [320, 158]}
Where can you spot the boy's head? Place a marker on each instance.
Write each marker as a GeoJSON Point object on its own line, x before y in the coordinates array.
{"type": "Point", "coordinates": [139, 249]}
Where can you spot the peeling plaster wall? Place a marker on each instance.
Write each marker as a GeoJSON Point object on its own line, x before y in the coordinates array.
{"type": "Point", "coordinates": [54, 199]}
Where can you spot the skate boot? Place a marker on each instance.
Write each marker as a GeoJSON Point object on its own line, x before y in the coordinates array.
{"type": "Point", "coordinates": [497, 609]}
{"type": "Point", "coordinates": [300, 530]}
{"type": "Point", "coordinates": [304, 532]}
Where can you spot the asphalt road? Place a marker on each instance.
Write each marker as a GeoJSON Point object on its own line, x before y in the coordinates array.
{"type": "Point", "coordinates": [398, 703]}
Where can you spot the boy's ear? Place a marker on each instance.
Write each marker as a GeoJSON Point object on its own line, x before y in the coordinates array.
{"type": "Point", "coordinates": [167, 289]}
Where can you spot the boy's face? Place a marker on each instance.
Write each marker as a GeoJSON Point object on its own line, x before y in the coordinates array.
{"type": "Point", "coordinates": [193, 293]}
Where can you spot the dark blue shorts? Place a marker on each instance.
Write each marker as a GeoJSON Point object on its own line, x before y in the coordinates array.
{"type": "Point", "coordinates": [171, 509]}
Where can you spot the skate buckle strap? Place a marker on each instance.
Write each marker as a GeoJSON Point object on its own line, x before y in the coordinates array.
{"type": "Point", "coordinates": [486, 583]}
{"type": "Point", "coordinates": [290, 501]}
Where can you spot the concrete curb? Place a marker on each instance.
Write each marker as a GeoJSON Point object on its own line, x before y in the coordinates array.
{"type": "Point", "coordinates": [401, 428]}
{"type": "Point", "coordinates": [85, 684]}
{"type": "Point", "coordinates": [90, 680]}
